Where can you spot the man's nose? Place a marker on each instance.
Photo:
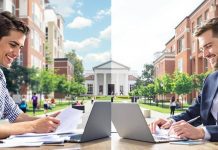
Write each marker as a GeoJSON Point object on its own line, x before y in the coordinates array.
{"type": "Point", "coordinates": [206, 53]}
{"type": "Point", "coordinates": [16, 52]}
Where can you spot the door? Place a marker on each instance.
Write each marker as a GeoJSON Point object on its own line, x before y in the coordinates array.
{"type": "Point", "coordinates": [110, 89]}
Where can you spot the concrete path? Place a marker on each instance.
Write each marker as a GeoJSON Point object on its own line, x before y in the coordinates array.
{"type": "Point", "coordinates": [88, 106]}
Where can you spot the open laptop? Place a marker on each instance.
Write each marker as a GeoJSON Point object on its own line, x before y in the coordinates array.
{"type": "Point", "coordinates": [98, 124]}
{"type": "Point", "coordinates": [131, 124]}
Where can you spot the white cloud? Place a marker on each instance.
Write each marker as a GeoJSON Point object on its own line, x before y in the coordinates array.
{"type": "Point", "coordinates": [98, 57]}
{"type": "Point", "coordinates": [64, 7]}
{"type": "Point", "coordinates": [101, 13]}
{"type": "Point", "coordinates": [90, 42]}
{"type": "Point", "coordinates": [79, 23]}
{"type": "Point", "coordinates": [79, 12]}
{"type": "Point", "coordinates": [139, 33]}
{"type": "Point", "coordinates": [106, 33]}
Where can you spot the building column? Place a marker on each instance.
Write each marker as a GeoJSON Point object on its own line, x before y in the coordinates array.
{"type": "Point", "coordinates": [104, 86]}
{"type": "Point", "coordinates": [126, 91]}
{"type": "Point", "coordinates": [96, 85]}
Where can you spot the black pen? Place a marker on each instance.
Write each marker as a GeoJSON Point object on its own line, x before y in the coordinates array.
{"type": "Point", "coordinates": [194, 119]}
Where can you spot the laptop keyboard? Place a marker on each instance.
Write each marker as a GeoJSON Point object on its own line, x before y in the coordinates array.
{"type": "Point", "coordinates": [166, 138]}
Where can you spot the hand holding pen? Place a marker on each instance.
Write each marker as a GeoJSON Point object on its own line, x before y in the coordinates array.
{"type": "Point", "coordinates": [182, 128]}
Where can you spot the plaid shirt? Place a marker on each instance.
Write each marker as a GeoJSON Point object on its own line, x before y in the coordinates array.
{"type": "Point", "coordinates": [8, 109]}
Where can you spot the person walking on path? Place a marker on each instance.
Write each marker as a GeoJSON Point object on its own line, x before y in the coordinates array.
{"type": "Point", "coordinates": [35, 103]}
{"type": "Point", "coordinates": [172, 106]}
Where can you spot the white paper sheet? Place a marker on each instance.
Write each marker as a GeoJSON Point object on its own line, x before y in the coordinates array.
{"type": "Point", "coordinates": [20, 144]}
{"type": "Point", "coordinates": [69, 119]}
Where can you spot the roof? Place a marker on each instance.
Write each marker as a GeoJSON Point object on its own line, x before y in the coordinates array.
{"type": "Point", "coordinates": [111, 64]}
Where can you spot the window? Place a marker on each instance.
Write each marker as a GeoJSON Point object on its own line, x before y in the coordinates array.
{"type": "Point", "coordinates": [46, 33]}
{"type": "Point", "coordinates": [121, 90]}
{"type": "Point", "coordinates": [20, 60]}
{"type": "Point", "coordinates": [180, 44]}
{"type": "Point", "coordinates": [193, 47]}
{"type": "Point", "coordinates": [206, 15]}
{"type": "Point", "coordinates": [100, 89]}
{"type": "Point", "coordinates": [131, 87]}
{"type": "Point", "coordinates": [199, 21]}
{"type": "Point", "coordinates": [180, 65]}
{"type": "Point", "coordinates": [193, 27]}
{"type": "Point", "coordinates": [90, 89]}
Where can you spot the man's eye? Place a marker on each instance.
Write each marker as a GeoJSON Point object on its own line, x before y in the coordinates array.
{"type": "Point", "coordinates": [201, 49]}
{"type": "Point", "coordinates": [209, 46]}
{"type": "Point", "coordinates": [12, 45]}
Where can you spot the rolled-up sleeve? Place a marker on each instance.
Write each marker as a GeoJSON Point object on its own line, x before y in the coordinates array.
{"type": "Point", "coordinates": [12, 111]}
{"type": "Point", "coordinates": [8, 109]}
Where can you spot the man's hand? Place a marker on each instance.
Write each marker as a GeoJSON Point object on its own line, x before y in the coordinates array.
{"type": "Point", "coordinates": [182, 129]}
{"type": "Point", "coordinates": [45, 125]}
{"type": "Point", "coordinates": [162, 123]}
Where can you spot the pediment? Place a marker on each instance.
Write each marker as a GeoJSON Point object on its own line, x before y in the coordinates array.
{"type": "Point", "coordinates": [111, 65]}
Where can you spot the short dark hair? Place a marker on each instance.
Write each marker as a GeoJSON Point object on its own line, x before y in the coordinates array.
{"type": "Point", "coordinates": [9, 22]}
{"type": "Point", "coordinates": [211, 24]}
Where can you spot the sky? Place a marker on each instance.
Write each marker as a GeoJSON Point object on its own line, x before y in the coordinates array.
{"type": "Point", "coordinates": [87, 29]}
{"type": "Point", "coordinates": [128, 31]}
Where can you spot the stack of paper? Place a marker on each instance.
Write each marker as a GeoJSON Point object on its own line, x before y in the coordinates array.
{"type": "Point", "coordinates": [69, 119]}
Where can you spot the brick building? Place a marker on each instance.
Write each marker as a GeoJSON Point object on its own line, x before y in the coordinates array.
{"type": "Point", "coordinates": [185, 46]}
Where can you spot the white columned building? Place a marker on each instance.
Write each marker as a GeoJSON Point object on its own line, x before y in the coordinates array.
{"type": "Point", "coordinates": [110, 78]}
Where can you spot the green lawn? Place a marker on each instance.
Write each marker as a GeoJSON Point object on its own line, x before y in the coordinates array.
{"type": "Point", "coordinates": [164, 109]}
{"type": "Point", "coordinates": [63, 104]}
{"type": "Point", "coordinates": [59, 106]}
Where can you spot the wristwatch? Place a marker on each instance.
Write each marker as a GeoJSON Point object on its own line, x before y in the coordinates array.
{"type": "Point", "coordinates": [171, 120]}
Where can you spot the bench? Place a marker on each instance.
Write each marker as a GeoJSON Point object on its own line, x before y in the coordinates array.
{"type": "Point", "coordinates": [79, 107]}
{"type": "Point", "coordinates": [147, 113]}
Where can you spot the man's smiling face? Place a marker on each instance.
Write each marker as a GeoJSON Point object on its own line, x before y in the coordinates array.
{"type": "Point", "coordinates": [208, 43]}
{"type": "Point", "coordinates": [10, 47]}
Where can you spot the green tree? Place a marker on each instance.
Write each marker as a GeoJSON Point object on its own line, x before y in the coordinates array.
{"type": "Point", "coordinates": [150, 88]}
{"type": "Point", "coordinates": [167, 84]}
{"type": "Point", "coordinates": [17, 76]}
{"type": "Point", "coordinates": [198, 80]}
{"type": "Point", "coordinates": [77, 89]}
{"type": "Point", "coordinates": [158, 87]}
{"type": "Point", "coordinates": [62, 84]}
{"type": "Point", "coordinates": [78, 66]}
{"type": "Point", "coordinates": [147, 76]}
{"type": "Point", "coordinates": [47, 81]}
{"type": "Point", "coordinates": [182, 84]}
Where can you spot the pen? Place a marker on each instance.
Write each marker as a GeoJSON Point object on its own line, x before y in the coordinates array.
{"type": "Point", "coordinates": [194, 119]}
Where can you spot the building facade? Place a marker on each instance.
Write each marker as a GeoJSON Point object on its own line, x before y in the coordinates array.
{"type": "Point", "coordinates": [185, 47]}
{"type": "Point", "coordinates": [110, 78]}
{"type": "Point", "coordinates": [54, 31]}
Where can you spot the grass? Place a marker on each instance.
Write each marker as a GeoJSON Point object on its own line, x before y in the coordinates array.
{"type": "Point", "coordinates": [59, 106]}
{"type": "Point", "coordinates": [164, 109]}
{"type": "Point", "coordinates": [63, 104]}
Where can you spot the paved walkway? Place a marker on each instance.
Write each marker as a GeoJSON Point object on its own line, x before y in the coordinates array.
{"type": "Point", "coordinates": [88, 106]}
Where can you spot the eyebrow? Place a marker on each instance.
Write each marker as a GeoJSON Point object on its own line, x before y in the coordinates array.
{"type": "Point", "coordinates": [207, 44]}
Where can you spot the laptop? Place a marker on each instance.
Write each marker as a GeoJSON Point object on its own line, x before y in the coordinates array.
{"type": "Point", "coordinates": [98, 124]}
{"type": "Point", "coordinates": [131, 124]}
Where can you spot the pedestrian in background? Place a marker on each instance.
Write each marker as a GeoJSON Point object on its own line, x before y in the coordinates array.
{"type": "Point", "coordinates": [172, 106]}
